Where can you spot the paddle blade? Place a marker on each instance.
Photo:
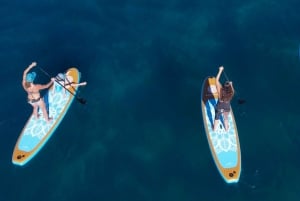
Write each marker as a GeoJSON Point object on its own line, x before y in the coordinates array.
{"type": "Point", "coordinates": [81, 100]}
{"type": "Point", "coordinates": [241, 101]}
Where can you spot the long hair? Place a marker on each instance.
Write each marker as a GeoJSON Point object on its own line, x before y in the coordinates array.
{"type": "Point", "coordinates": [227, 92]}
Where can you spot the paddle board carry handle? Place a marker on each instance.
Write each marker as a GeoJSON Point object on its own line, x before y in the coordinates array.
{"type": "Point", "coordinates": [79, 99]}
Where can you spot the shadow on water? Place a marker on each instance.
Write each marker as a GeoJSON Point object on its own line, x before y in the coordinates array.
{"type": "Point", "coordinates": [256, 183]}
{"type": "Point", "coordinates": [290, 131]}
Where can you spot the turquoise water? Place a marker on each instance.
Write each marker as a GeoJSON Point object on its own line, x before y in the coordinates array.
{"type": "Point", "coordinates": [140, 136]}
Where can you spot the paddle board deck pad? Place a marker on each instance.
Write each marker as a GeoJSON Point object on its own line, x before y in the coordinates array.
{"type": "Point", "coordinates": [37, 131]}
{"type": "Point", "coordinates": [224, 145]}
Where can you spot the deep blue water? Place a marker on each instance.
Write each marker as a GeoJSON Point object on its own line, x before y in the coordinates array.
{"type": "Point", "coordinates": [140, 136]}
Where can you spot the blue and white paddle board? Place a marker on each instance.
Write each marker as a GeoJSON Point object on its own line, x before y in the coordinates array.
{"type": "Point", "coordinates": [37, 132]}
{"type": "Point", "coordinates": [224, 145]}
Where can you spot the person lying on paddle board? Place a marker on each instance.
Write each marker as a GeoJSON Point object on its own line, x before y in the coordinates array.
{"type": "Point", "coordinates": [33, 92]}
{"type": "Point", "coordinates": [225, 95]}
{"type": "Point", "coordinates": [66, 82]}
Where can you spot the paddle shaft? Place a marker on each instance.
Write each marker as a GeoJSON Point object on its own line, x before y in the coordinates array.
{"type": "Point", "coordinates": [81, 100]}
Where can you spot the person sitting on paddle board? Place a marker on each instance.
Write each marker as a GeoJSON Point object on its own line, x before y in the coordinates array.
{"type": "Point", "coordinates": [225, 95]}
{"type": "Point", "coordinates": [33, 90]}
{"type": "Point", "coordinates": [66, 82]}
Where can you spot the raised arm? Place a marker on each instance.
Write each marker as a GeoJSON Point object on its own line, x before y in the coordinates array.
{"type": "Point", "coordinates": [219, 86]}
{"type": "Point", "coordinates": [221, 68]}
{"type": "Point", "coordinates": [33, 64]}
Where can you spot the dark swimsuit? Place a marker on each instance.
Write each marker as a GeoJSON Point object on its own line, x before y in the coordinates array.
{"type": "Point", "coordinates": [222, 106]}
{"type": "Point", "coordinates": [33, 100]}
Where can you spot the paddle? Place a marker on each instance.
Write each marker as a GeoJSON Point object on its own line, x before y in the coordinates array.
{"type": "Point", "coordinates": [239, 100]}
{"type": "Point", "coordinates": [79, 99]}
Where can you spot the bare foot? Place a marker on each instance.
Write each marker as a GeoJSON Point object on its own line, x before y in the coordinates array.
{"type": "Point", "coordinates": [226, 128]}
{"type": "Point", "coordinates": [215, 125]}
{"type": "Point", "coordinates": [49, 119]}
{"type": "Point", "coordinates": [37, 116]}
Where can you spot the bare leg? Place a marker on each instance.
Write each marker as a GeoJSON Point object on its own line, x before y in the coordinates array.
{"type": "Point", "coordinates": [82, 84]}
{"type": "Point", "coordinates": [216, 124]}
{"type": "Point", "coordinates": [79, 84]}
{"type": "Point", "coordinates": [44, 110]}
{"type": "Point", "coordinates": [35, 110]}
{"type": "Point", "coordinates": [226, 120]}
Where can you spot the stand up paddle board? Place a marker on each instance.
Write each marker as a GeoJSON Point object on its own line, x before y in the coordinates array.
{"type": "Point", "coordinates": [37, 131]}
{"type": "Point", "coordinates": [224, 145]}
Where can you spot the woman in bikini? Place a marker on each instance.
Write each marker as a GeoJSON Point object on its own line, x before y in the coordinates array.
{"type": "Point", "coordinates": [225, 95]}
{"type": "Point", "coordinates": [33, 90]}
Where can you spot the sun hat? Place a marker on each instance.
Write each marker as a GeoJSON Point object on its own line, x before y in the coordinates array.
{"type": "Point", "coordinates": [30, 77]}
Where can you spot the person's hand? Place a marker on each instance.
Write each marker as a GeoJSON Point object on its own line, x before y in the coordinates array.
{"type": "Point", "coordinates": [33, 64]}
{"type": "Point", "coordinates": [221, 68]}
{"type": "Point", "coordinates": [52, 79]}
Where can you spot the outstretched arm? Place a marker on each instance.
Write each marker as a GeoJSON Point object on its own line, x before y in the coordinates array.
{"type": "Point", "coordinates": [79, 84]}
{"type": "Point", "coordinates": [45, 86]}
{"type": "Point", "coordinates": [33, 64]}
